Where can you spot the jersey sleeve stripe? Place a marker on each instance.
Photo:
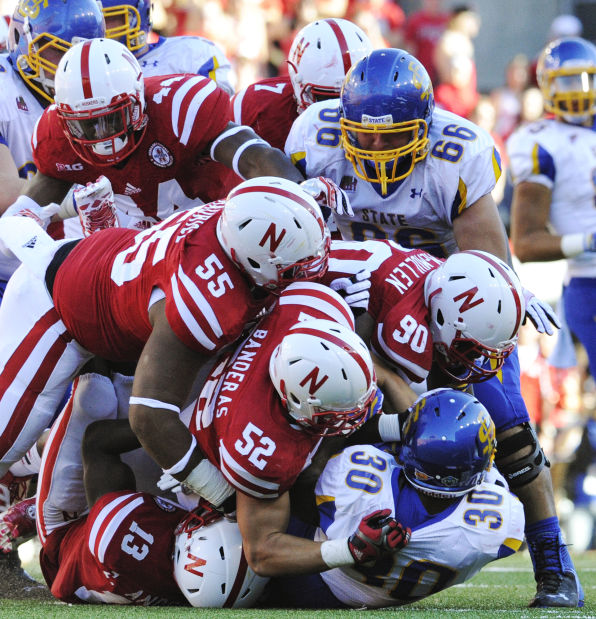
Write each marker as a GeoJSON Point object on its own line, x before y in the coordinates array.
{"type": "Point", "coordinates": [460, 201]}
{"type": "Point", "coordinates": [542, 163]}
{"type": "Point", "coordinates": [321, 298]}
{"type": "Point", "coordinates": [242, 479]}
{"type": "Point", "coordinates": [201, 302]}
{"type": "Point", "coordinates": [408, 365]}
{"type": "Point", "coordinates": [187, 317]}
{"type": "Point", "coordinates": [108, 520]}
{"type": "Point", "coordinates": [497, 167]}
{"type": "Point", "coordinates": [237, 100]}
{"type": "Point", "coordinates": [190, 109]}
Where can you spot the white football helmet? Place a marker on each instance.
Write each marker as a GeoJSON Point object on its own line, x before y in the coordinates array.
{"type": "Point", "coordinates": [324, 374]}
{"type": "Point", "coordinates": [275, 232]}
{"type": "Point", "coordinates": [476, 306]}
{"type": "Point", "coordinates": [320, 56]}
{"type": "Point", "coordinates": [209, 564]}
{"type": "Point", "coordinates": [101, 101]}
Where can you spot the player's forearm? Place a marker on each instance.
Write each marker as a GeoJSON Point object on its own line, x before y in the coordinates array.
{"type": "Point", "coordinates": [265, 161]}
{"type": "Point", "coordinates": [281, 554]}
{"type": "Point", "coordinates": [538, 246]}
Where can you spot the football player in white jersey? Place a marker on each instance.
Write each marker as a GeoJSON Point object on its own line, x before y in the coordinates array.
{"type": "Point", "coordinates": [130, 23]}
{"type": "Point", "coordinates": [423, 177]}
{"type": "Point", "coordinates": [553, 162]}
{"type": "Point", "coordinates": [38, 36]}
{"type": "Point", "coordinates": [443, 487]}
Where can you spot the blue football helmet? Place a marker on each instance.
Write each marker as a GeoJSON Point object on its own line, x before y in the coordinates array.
{"type": "Point", "coordinates": [566, 74]}
{"type": "Point", "coordinates": [40, 33]}
{"type": "Point", "coordinates": [448, 443]}
{"type": "Point", "coordinates": [128, 22]}
{"type": "Point", "coordinates": [387, 101]}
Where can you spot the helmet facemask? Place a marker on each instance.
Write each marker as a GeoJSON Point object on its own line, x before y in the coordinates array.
{"type": "Point", "coordinates": [123, 23]}
{"type": "Point", "coordinates": [570, 94]}
{"type": "Point", "coordinates": [387, 165]}
{"type": "Point", "coordinates": [105, 135]}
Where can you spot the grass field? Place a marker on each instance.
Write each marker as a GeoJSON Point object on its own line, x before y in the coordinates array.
{"type": "Point", "coordinates": [502, 590]}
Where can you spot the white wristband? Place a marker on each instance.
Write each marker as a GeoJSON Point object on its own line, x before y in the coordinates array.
{"type": "Point", "coordinates": [336, 553]}
{"type": "Point", "coordinates": [151, 403]}
{"type": "Point", "coordinates": [240, 150]}
{"type": "Point", "coordinates": [208, 481]}
{"type": "Point", "coordinates": [572, 244]}
{"type": "Point", "coordinates": [389, 428]}
{"type": "Point", "coordinates": [181, 464]}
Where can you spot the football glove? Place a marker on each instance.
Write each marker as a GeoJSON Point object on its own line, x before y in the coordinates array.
{"type": "Point", "coordinates": [95, 206]}
{"type": "Point", "coordinates": [355, 290]}
{"type": "Point", "coordinates": [327, 194]}
{"type": "Point", "coordinates": [540, 313]}
{"type": "Point", "coordinates": [378, 534]}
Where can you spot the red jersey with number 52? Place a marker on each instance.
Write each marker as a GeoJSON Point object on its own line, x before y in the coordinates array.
{"type": "Point", "coordinates": [269, 107]}
{"type": "Point", "coordinates": [239, 420]}
{"type": "Point", "coordinates": [121, 553]}
{"type": "Point", "coordinates": [105, 286]}
{"type": "Point", "coordinates": [186, 113]}
{"type": "Point", "coordinates": [401, 333]}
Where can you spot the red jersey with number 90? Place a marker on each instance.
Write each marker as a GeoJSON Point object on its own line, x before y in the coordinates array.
{"type": "Point", "coordinates": [401, 333]}
{"type": "Point", "coordinates": [105, 286]}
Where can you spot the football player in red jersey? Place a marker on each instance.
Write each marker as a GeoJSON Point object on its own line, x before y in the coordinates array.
{"type": "Point", "coordinates": [149, 137]}
{"type": "Point", "coordinates": [169, 297]}
{"type": "Point", "coordinates": [320, 56]}
{"type": "Point", "coordinates": [429, 313]}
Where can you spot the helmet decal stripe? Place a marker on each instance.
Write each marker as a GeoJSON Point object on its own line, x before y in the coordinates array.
{"type": "Point", "coordinates": [85, 77]}
{"type": "Point", "coordinates": [280, 192]}
{"type": "Point", "coordinates": [340, 343]}
{"type": "Point", "coordinates": [512, 288]}
{"type": "Point", "coordinates": [238, 582]}
{"type": "Point", "coordinates": [343, 45]}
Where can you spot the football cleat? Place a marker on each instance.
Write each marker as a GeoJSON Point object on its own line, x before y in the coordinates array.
{"type": "Point", "coordinates": [557, 581]}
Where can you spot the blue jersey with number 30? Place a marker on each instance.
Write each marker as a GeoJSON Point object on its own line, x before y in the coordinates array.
{"type": "Point", "coordinates": [445, 549]}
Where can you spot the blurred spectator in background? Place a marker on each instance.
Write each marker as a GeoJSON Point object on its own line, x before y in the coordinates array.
{"type": "Point", "coordinates": [423, 30]}
{"type": "Point", "coordinates": [484, 115]}
{"type": "Point", "coordinates": [508, 98]}
{"type": "Point", "coordinates": [453, 59]}
{"type": "Point", "coordinates": [382, 20]}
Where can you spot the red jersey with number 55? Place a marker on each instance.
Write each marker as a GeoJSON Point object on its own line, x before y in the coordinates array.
{"type": "Point", "coordinates": [269, 107]}
{"type": "Point", "coordinates": [186, 113]}
{"type": "Point", "coordinates": [121, 553]}
{"type": "Point", "coordinates": [239, 420]}
{"type": "Point", "coordinates": [401, 333]}
{"type": "Point", "coordinates": [105, 286]}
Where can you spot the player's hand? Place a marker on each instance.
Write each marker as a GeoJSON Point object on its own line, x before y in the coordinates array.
{"type": "Point", "coordinates": [355, 290]}
{"type": "Point", "coordinates": [540, 313]}
{"type": "Point", "coordinates": [167, 482]}
{"type": "Point", "coordinates": [23, 207]}
{"type": "Point", "coordinates": [327, 194]}
{"type": "Point", "coordinates": [377, 534]}
{"type": "Point", "coordinates": [95, 205]}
